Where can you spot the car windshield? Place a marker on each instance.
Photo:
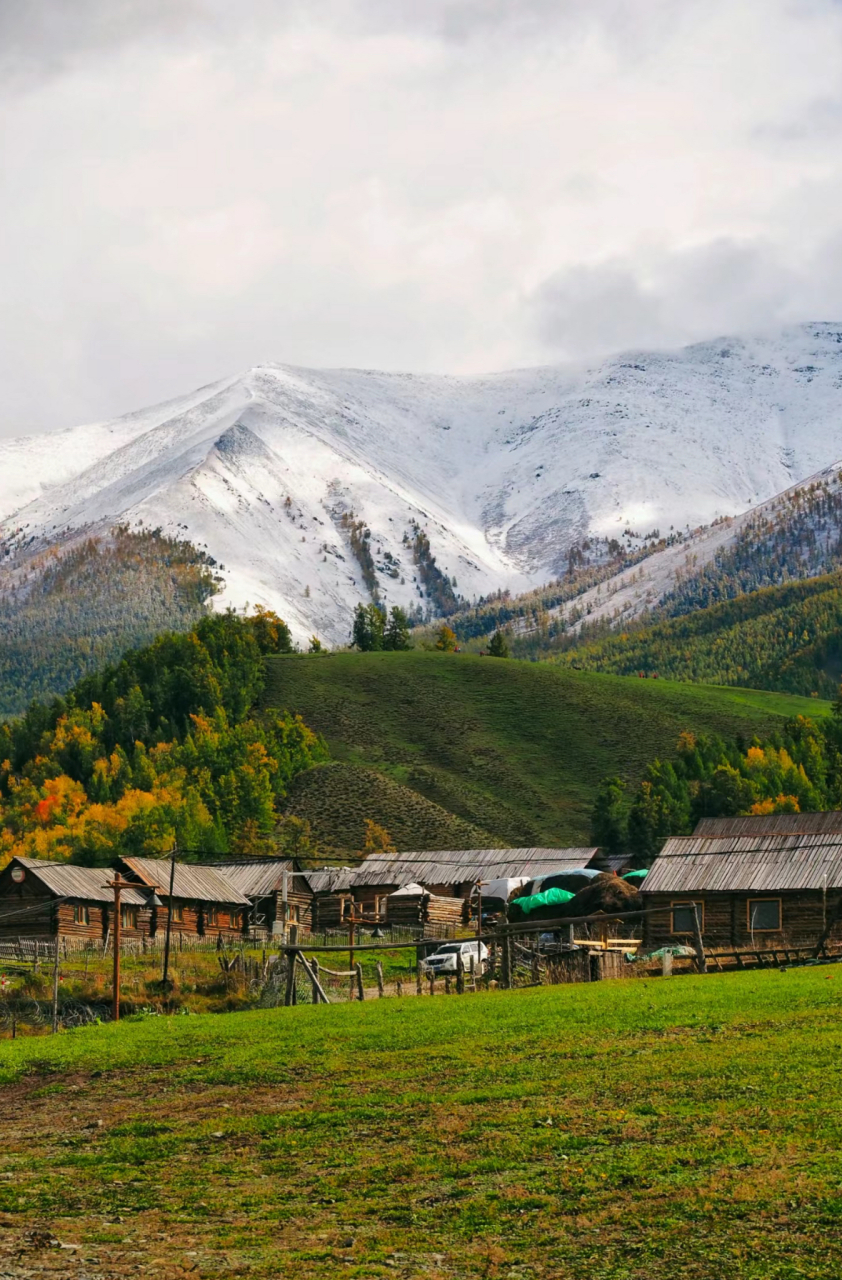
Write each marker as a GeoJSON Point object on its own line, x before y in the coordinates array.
{"type": "Point", "coordinates": [449, 951]}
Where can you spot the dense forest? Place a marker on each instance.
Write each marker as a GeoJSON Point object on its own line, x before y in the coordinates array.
{"type": "Point", "coordinates": [785, 638]}
{"type": "Point", "coordinates": [795, 770]}
{"type": "Point", "coordinates": [75, 608]}
{"type": "Point", "coordinates": [163, 745]}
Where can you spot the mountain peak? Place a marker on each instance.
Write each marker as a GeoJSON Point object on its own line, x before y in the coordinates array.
{"type": "Point", "coordinates": [273, 470]}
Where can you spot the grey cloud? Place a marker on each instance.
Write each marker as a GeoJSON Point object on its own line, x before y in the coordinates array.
{"type": "Point", "coordinates": [667, 298]}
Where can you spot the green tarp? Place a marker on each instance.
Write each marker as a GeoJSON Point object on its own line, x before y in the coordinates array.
{"type": "Point", "coordinates": [636, 876]}
{"type": "Point", "coordinates": [549, 898]}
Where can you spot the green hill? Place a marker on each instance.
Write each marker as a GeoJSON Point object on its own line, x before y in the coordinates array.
{"type": "Point", "coordinates": [787, 638]}
{"type": "Point", "coordinates": [515, 748]}
{"type": "Point", "coordinates": [336, 799]}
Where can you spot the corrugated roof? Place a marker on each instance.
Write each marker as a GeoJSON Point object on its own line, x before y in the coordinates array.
{"type": "Point", "coordinates": [747, 863]}
{"type": "Point", "coordinates": [771, 824]}
{"type": "Point", "coordinates": [256, 879]}
{"type": "Point", "coordinates": [88, 883]}
{"type": "Point", "coordinates": [192, 882]}
{"type": "Point", "coordinates": [453, 866]}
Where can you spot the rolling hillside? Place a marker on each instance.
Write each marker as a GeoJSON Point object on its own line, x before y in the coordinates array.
{"type": "Point", "coordinates": [515, 748]}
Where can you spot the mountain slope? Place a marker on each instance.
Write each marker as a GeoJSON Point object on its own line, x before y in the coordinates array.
{"type": "Point", "coordinates": [506, 473]}
{"type": "Point", "coordinates": [515, 748]}
{"type": "Point", "coordinates": [786, 638]}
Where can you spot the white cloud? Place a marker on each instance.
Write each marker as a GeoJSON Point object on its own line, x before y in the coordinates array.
{"type": "Point", "coordinates": [191, 187]}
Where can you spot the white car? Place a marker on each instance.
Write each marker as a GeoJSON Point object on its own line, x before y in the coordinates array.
{"type": "Point", "coordinates": [444, 960]}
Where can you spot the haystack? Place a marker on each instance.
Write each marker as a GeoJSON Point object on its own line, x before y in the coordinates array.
{"type": "Point", "coordinates": [607, 894]}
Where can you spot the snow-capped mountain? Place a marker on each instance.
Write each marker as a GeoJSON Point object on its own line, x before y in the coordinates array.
{"type": "Point", "coordinates": [504, 472]}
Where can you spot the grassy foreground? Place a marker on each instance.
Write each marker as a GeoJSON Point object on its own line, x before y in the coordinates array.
{"type": "Point", "coordinates": [516, 748]}
{"type": "Point", "coordinates": [639, 1130]}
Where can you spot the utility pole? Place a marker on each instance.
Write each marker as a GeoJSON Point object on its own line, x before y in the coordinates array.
{"type": "Point", "coordinates": [479, 916]}
{"type": "Point", "coordinates": [117, 884]}
{"type": "Point", "coordinates": [55, 981]}
{"type": "Point", "coordinates": [165, 978]}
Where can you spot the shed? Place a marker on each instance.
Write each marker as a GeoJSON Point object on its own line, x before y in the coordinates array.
{"type": "Point", "coordinates": [40, 899]}
{"type": "Point", "coordinates": [203, 901]}
{"type": "Point", "coordinates": [759, 881]}
{"type": "Point", "coordinates": [279, 892]}
{"type": "Point", "coordinates": [331, 889]}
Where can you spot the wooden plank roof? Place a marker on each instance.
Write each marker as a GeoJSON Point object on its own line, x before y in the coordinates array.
{"type": "Point", "coordinates": [192, 882]}
{"type": "Point", "coordinates": [769, 824]}
{"type": "Point", "coordinates": [747, 863]}
{"type": "Point", "coordinates": [454, 866]}
{"type": "Point", "coordinates": [83, 883]}
{"type": "Point", "coordinates": [257, 879]}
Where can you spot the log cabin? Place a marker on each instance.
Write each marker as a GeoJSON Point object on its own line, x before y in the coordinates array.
{"type": "Point", "coordinates": [760, 882]}
{"type": "Point", "coordinates": [41, 899]}
{"type": "Point", "coordinates": [204, 902]}
{"type": "Point", "coordinates": [278, 891]}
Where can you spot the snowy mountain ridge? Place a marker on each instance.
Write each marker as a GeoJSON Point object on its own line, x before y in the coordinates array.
{"type": "Point", "coordinates": [505, 472]}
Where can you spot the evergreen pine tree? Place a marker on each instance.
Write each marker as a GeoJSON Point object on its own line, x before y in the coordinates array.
{"type": "Point", "coordinates": [361, 631]}
{"type": "Point", "coordinates": [376, 626]}
{"type": "Point", "coordinates": [396, 635]}
{"type": "Point", "coordinates": [608, 821]}
{"type": "Point", "coordinates": [498, 647]}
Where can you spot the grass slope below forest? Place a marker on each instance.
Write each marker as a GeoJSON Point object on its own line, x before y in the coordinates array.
{"type": "Point", "coordinates": [515, 748]}
{"type": "Point", "coordinates": [689, 1129]}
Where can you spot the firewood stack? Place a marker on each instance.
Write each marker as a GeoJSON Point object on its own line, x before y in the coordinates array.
{"type": "Point", "coordinates": [410, 910]}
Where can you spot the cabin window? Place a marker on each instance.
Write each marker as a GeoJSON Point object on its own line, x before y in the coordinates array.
{"type": "Point", "coordinates": [128, 917]}
{"type": "Point", "coordinates": [177, 914]}
{"type": "Point", "coordinates": [684, 916]}
{"type": "Point", "coordinates": [764, 915]}
{"type": "Point", "coordinates": [211, 915]}
{"type": "Point", "coordinates": [81, 915]}
{"type": "Point", "coordinates": [236, 920]}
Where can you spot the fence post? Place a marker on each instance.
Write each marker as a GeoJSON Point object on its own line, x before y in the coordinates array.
{"type": "Point", "coordinates": [360, 988]}
{"type": "Point", "coordinates": [55, 989]}
{"type": "Point", "coordinates": [536, 968]}
{"type": "Point", "coordinates": [447, 984]}
{"type": "Point", "coordinates": [432, 983]}
{"type": "Point", "coordinates": [398, 987]}
{"type": "Point", "coordinates": [666, 964]}
{"type": "Point", "coordinates": [506, 965]}
{"type": "Point", "coordinates": [380, 991]}
{"type": "Point", "coordinates": [701, 962]}
{"type": "Point", "coordinates": [460, 975]}
{"type": "Point", "coordinates": [289, 993]}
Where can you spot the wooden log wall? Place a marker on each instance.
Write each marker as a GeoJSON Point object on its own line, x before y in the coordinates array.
{"type": "Point", "coordinates": [803, 916]}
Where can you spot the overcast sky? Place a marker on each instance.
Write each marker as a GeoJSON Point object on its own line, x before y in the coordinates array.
{"type": "Point", "coordinates": [191, 187]}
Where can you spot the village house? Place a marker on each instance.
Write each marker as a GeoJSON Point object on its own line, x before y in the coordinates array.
{"type": "Point", "coordinates": [43, 899]}
{"type": "Point", "coordinates": [204, 902]}
{"type": "Point", "coordinates": [760, 882]}
{"type": "Point", "coordinates": [278, 891]}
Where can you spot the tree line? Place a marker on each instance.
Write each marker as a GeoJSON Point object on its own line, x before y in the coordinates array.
{"type": "Point", "coordinates": [797, 769]}
{"type": "Point", "coordinates": [164, 745]}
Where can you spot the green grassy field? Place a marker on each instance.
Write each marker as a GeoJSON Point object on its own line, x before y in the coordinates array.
{"type": "Point", "coordinates": [688, 1129]}
{"type": "Point", "coordinates": [515, 748]}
